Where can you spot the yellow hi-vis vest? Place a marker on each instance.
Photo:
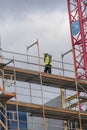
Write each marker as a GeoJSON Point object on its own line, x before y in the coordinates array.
{"type": "Point", "coordinates": [47, 60]}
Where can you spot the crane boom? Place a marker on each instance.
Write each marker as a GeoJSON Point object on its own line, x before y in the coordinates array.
{"type": "Point", "coordinates": [77, 10]}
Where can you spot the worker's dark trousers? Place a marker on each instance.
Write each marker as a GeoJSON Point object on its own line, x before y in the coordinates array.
{"type": "Point", "coordinates": [47, 69]}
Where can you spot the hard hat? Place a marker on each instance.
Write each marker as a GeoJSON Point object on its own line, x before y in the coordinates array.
{"type": "Point", "coordinates": [45, 53]}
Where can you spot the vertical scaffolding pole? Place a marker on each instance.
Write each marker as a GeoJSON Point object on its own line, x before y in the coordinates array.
{"type": "Point", "coordinates": [37, 43]}
{"type": "Point", "coordinates": [80, 122]}
{"type": "Point", "coordinates": [16, 95]}
{"type": "Point", "coordinates": [41, 85]}
{"type": "Point", "coordinates": [29, 85]}
{"type": "Point", "coordinates": [63, 92]}
{"type": "Point", "coordinates": [28, 66]}
{"type": "Point", "coordinates": [76, 83]}
{"type": "Point", "coordinates": [3, 87]}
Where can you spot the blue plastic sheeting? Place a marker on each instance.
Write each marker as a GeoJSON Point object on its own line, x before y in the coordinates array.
{"type": "Point", "coordinates": [13, 123]}
{"type": "Point", "coordinates": [75, 28]}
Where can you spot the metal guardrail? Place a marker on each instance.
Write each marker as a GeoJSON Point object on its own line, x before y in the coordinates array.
{"type": "Point", "coordinates": [31, 62]}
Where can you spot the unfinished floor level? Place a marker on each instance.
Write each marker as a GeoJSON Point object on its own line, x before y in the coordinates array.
{"type": "Point", "coordinates": [33, 100]}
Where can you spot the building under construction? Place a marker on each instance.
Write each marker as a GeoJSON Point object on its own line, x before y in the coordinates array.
{"type": "Point", "coordinates": [33, 100]}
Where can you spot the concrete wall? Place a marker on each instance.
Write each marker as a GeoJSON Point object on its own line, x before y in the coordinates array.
{"type": "Point", "coordinates": [37, 123]}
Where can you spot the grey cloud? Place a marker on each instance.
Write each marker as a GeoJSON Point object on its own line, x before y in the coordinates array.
{"type": "Point", "coordinates": [16, 28]}
{"type": "Point", "coordinates": [20, 8]}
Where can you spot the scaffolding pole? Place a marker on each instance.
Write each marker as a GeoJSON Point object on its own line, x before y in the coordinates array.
{"type": "Point", "coordinates": [37, 43]}
{"type": "Point", "coordinates": [41, 86]}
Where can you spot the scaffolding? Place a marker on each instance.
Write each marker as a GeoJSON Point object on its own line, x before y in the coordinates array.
{"type": "Point", "coordinates": [26, 89]}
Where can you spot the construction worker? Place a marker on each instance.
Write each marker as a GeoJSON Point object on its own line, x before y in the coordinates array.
{"type": "Point", "coordinates": [48, 63]}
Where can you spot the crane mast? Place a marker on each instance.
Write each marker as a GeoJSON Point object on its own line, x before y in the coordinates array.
{"type": "Point", "coordinates": [77, 10]}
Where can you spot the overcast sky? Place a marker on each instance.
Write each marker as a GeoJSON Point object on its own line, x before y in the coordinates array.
{"type": "Point", "coordinates": [23, 21]}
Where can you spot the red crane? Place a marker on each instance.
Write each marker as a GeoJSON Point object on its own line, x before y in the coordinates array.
{"type": "Point", "coordinates": [78, 26]}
